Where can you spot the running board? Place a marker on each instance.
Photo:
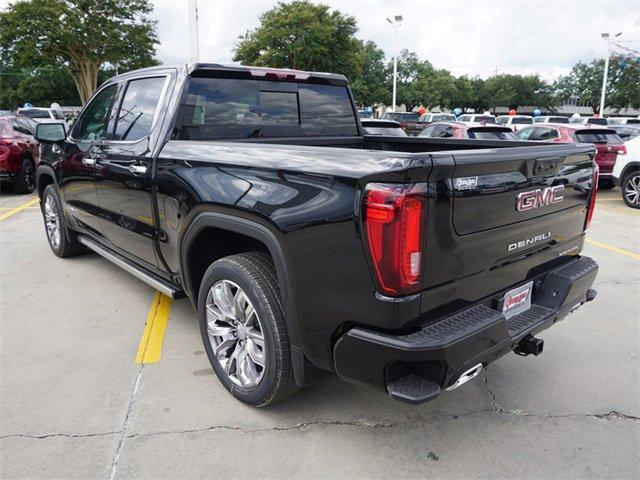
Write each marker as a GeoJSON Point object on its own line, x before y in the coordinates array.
{"type": "Point", "coordinates": [147, 277]}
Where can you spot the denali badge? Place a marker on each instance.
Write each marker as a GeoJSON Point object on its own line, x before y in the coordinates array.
{"type": "Point", "coordinates": [528, 241]}
{"type": "Point", "coordinates": [539, 198]}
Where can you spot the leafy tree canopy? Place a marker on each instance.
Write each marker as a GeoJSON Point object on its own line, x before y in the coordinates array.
{"type": "Point", "coordinates": [304, 36]}
{"type": "Point", "coordinates": [81, 35]}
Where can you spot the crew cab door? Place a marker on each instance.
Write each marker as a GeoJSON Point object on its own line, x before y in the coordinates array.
{"type": "Point", "coordinates": [124, 170]}
{"type": "Point", "coordinates": [76, 159]}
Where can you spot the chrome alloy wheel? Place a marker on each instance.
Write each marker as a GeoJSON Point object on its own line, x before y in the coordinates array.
{"type": "Point", "coordinates": [632, 189]}
{"type": "Point", "coordinates": [235, 334]}
{"type": "Point", "coordinates": [52, 221]}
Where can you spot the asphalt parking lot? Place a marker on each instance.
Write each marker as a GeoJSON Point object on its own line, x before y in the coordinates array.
{"type": "Point", "coordinates": [76, 404]}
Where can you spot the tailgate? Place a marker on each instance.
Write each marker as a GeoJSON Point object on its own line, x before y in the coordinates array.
{"type": "Point", "coordinates": [501, 187]}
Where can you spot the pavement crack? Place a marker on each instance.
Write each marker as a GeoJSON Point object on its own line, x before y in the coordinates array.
{"type": "Point", "coordinates": [496, 406]}
{"type": "Point", "coordinates": [63, 435]}
{"type": "Point", "coordinates": [125, 423]}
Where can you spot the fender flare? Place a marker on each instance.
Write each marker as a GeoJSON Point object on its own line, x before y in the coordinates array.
{"type": "Point", "coordinates": [259, 232]}
{"type": "Point", "coordinates": [45, 170]}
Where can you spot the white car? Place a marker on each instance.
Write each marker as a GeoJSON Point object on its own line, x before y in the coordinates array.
{"type": "Point", "coordinates": [44, 115]}
{"type": "Point", "coordinates": [622, 121]}
{"type": "Point", "coordinates": [476, 118]}
{"type": "Point", "coordinates": [551, 119]}
{"type": "Point", "coordinates": [626, 173]}
{"type": "Point", "coordinates": [514, 122]}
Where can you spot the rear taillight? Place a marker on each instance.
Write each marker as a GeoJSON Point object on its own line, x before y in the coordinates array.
{"type": "Point", "coordinates": [594, 192]}
{"type": "Point", "coordinates": [403, 125]}
{"type": "Point", "coordinates": [394, 223]}
{"type": "Point", "coordinates": [6, 141]}
{"type": "Point", "coordinates": [622, 149]}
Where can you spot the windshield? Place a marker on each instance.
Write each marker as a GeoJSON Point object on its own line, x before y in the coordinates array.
{"type": "Point", "coordinates": [484, 119]}
{"type": "Point", "coordinates": [598, 137]}
{"type": "Point", "coordinates": [558, 120]}
{"type": "Point", "coordinates": [443, 117]}
{"type": "Point", "coordinates": [216, 108]}
{"type": "Point", "coordinates": [389, 131]}
{"type": "Point", "coordinates": [522, 120]}
{"type": "Point", "coordinates": [490, 134]}
{"type": "Point", "coordinates": [597, 121]}
{"type": "Point", "coordinates": [405, 117]}
{"type": "Point", "coordinates": [33, 113]}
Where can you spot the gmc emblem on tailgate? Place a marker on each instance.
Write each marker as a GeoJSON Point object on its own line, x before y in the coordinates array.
{"type": "Point", "coordinates": [539, 198]}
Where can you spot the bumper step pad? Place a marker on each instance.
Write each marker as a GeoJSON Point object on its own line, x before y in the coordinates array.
{"type": "Point", "coordinates": [413, 389]}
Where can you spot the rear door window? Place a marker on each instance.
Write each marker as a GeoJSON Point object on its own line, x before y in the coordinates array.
{"type": "Point", "coordinates": [138, 108]}
{"type": "Point", "coordinates": [544, 133]}
{"type": "Point", "coordinates": [326, 110]}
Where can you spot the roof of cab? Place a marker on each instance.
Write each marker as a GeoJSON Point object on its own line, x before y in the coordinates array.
{"type": "Point", "coordinates": [242, 71]}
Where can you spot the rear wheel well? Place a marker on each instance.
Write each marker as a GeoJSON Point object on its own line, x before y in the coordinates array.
{"type": "Point", "coordinates": [211, 244]}
{"type": "Point", "coordinates": [632, 167]}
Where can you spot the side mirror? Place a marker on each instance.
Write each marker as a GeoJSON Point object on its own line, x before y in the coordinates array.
{"type": "Point", "coordinates": [50, 132]}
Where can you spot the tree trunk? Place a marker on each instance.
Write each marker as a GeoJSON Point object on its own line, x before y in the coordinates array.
{"type": "Point", "coordinates": [85, 76]}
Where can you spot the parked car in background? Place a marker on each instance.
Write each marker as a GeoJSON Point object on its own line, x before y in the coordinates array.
{"type": "Point", "coordinates": [607, 142]}
{"type": "Point", "coordinates": [626, 173]}
{"type": "Point", "coordinates": [623, 121]}
{"type": "Point", "coordinates": [514, 122]}
{"type": "Point", "coordinates": [19, 152]}
{"type": "Point", "coordinates": [44, 115]}
{"type": "Point", "coordinates": [589, 120]}
{"type": "Point", "coordinates": [371, 126]}
{"type": "Point", "coordinates": [627, 131]}
{"type": "Point", "coordinates": [476, 118]}
{"type": "Point", "coordinates": [551, 119]}
{"type": "Point", "coordinates": [429, 118]}
{"type": "Point", "coordinates": [6, 112]}
{"type": "Point", "coordinates": [407, 120]}
{"type": "Point", "coordinates": [478, 131]}
{"type": "Point", "coordinates": [365, 114]}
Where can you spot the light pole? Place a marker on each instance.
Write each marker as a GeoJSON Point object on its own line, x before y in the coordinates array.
{"type": "Point", "coordinates": [397, 20]}
{"type": "Point", "coordinates": [194, 44]}
{"type": "Point", "coordinates": [607, 37]}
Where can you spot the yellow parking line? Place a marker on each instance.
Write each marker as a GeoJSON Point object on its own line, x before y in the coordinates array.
{"type": "Point", "coordinates": [612, 248]}
{"type": "Point", "coordinates": [150, 346]}
{"type": "Point", "coordinates": [19, 208]}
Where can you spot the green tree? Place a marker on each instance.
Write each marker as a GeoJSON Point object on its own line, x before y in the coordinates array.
{"type": "Point", "coordinates": [304, 36]}
{"type": "Point", "coordinates": [412, 79]}
{"type": "Point", "coordinates": [373, 84]}
{"type": "Point", "coordinates": [585, 81]}
{"type": "Point", "coordinates": [42, 86]}
{"type": "Point", "coordinates": [81, 35]}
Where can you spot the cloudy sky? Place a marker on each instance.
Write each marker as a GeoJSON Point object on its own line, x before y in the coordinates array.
{"type": "Point", "coordinates": [466, 37]}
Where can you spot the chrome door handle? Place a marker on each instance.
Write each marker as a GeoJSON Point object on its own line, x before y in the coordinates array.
{"type": "Point", "coordinates": [137, 169]}
{"type": "Point", "coordinates": [89, 161]}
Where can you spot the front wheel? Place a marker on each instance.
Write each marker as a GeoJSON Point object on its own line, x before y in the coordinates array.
{"type": "Point", "coordinates": [63, 241]}
{"type": "Point", "coordinates": [631, 189]}
{"type": "Point", "coordinates": [243, 330]}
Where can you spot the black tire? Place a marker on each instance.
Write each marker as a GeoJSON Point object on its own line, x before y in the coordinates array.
{"type": "Point", "coordinates": [25, 180]}
{"type": "Point", "coordinates": [631, 181]}
{"type": "Point", "coordinates": [67, 244]}
{"type": "Point", "coordinates": [255, 274]}
{"type": "Point", "coordinates": [606, 184]}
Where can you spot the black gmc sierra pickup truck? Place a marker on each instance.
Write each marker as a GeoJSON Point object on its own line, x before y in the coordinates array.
{"type": "Point", "coordinates": [306, 247]}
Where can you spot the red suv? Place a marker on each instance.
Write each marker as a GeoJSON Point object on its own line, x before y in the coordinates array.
{"type": "Point", "coordinates": [607, 142]}
{"type": "Point", "coordinates": [479, 131]}
{"type": "Point", "coordinates": [19, 152]}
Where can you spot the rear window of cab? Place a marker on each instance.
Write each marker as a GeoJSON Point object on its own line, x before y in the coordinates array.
{"type": "Point", "coordinates": [217, 108]}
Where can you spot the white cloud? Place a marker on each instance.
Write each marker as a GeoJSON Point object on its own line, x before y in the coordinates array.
{"type": "Point", "coordinates": [474, 38]}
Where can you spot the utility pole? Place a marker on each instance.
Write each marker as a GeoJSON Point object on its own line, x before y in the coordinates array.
{"type": "Point", "coordinates": [397, 20]}
{"type": "Point", "coordinates": [194, 45]}
{"type": "Point", "coordinates": [607, 37]}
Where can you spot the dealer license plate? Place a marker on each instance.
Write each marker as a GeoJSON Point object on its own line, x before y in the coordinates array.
{"type": "Point", "coordinates": [517, 300]}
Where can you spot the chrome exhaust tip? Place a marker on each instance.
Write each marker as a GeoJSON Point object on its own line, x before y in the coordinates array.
{"type": "Point", "coordinates": [470, 374]}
